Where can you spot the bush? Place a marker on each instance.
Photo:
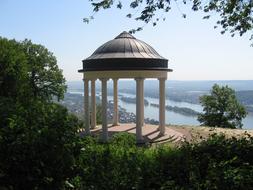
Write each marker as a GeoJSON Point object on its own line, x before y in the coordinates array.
{"type": "Point", "coordinates": [221, 163]}
{"type": "Point", "coordinates": [216, 163]}
{"type": "Point", "coordinates": [38, 147]}
{"type": "Point", "coordinates": [54, 157]}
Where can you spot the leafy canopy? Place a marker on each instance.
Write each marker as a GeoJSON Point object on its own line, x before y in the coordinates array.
{"type": "Point", "coordinates": [221, 108]}
{"type": "Point", "coordinates": [235, 16]}
{"type": "Point", "coordinates": [38, 146]}
{"type": "Point", "coordinates": [29, 71]}
{"type": "Point", "coordinates": [39, 142]}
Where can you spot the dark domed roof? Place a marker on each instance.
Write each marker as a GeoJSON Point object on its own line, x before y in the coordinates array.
{"type": "Point", "coordinates": [125, 52]}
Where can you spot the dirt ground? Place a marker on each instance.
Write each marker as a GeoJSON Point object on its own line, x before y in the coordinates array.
{"type": "Point", "coordinates": [196, 133]}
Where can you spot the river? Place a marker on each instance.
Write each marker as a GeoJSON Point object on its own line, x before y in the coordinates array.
{"type": "Point", "coordinates": [171, 117]}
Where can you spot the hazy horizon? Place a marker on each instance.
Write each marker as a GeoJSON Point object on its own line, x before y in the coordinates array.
{"type": "Point", "coordinates": [187, 85]}
{"type": "Point", "coordinates": [173, 80]}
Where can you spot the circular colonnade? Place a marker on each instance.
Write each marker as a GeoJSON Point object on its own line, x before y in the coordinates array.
{"type": "Point", "coordinates": [121, 58]}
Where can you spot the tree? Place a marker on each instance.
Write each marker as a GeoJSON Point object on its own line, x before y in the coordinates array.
{"type": "Point", "coordinates": [221, 108]}
{"type": "Point", "coordinates": [39, 146]}
{"type": "Point", "coordinates": [29, 71]}
{"type": "Point", "coordinates": [39, 142]}
{"type": "Point", "coordinates": [235, 16]}
{"type": "Point", "coordinates": [13, 69]}
{"type": "Point", "coordinates": [46, 79]}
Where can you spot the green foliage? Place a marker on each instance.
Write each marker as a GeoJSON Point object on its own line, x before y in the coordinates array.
{"type": "Point", "coordinates": [13, 69]}
{"type": "Point", "coordinates": [216, 163]}
{"type": "Point", "coordinates": [46, 79]}
{"type": "Point", "coordinates": [222, 163]}
{"type": "Point", "coordinates": [29, 71]}
{"type": "Point", "coordinates": [124, 139]}
{"type": "Point", "coordinates": [234, 16]}
{"type": "Point", "coordinates": [38, 146]}
{"type": "Point", "coordinates": [221, 108]}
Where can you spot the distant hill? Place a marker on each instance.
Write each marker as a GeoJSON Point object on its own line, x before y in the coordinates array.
{"type": "Point", "coordinates": [238, 85]}
{"type": "Point", "coordinates": [245, 97]}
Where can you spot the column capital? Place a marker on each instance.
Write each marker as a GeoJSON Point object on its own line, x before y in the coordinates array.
{"type": "Point", "coordinates": [104, 79]}
{"type": "Point", "coordinates": [139, 79]}
{"type": "Point", "coordinates": [115, 79]}
{"type": "Point", "coordinates": [85, 79]}
{"type": "Point", "coordinates": [162, 79]}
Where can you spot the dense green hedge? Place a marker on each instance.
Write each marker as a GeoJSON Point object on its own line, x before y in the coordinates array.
{"type": "Point", "coordinates": [217, 163]}
{"type": "Point", "coordinates": [39, 146]}
{"type": "Point", "coordinates": [43, 162]}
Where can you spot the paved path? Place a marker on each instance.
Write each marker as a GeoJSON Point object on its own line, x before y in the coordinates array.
{"type": "Point", "coordinates": [150, 132]}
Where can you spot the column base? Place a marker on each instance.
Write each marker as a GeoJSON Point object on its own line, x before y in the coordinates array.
{"type": "Point", "coordinates": [140, 141]}
{"type": "Point", "coordinates": [93, 127]}
{"type": "Point", "coordinates": [161, 134]}
{"type": "Point", "coordinates": [103, 139]}
{"type": "Point", "coordinates": [87, 132]}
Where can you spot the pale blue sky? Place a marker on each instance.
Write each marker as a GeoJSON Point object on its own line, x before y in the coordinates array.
{"type": "Point", "coordinates": [195, 50]}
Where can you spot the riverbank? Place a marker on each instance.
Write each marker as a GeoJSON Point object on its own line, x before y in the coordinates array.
{"type": "Point", "coordinates": [74, 102]}
{"type": "Point", "coordinates": [182, 110]}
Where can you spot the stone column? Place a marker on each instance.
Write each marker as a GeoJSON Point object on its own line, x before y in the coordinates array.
{"type": "Point", "coordinates": [139, 109]}
{"type": "Point", "coordinates": [104, 110]}
{"type": "Point", "coordinates": [162, 105]}
{"type": "Point", "coordinates": [93, 104]}
{"type": "Point", "coordinates": [86, 106]}
{"type": "Point", "coordinates": [115, 102]}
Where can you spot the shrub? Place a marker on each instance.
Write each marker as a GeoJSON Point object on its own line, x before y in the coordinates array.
{"type": "Point", "coordinates": [216, 163]}
{"type": "Point", "coordinates": [38, 147]}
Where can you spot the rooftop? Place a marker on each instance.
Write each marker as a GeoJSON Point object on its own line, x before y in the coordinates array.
{"type": "Point", "coordinates": [125, 52]}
